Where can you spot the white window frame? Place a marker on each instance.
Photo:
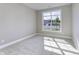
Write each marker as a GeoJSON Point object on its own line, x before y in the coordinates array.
{"type": "Point", "coordinates": [60, 23]}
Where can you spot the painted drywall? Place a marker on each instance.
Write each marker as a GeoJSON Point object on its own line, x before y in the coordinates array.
{"type": "Point", "coordinates": [66, 21]}
{"type": "Point", "coordinates": [16, 21]}
{"type": "Point", "coordinates": [75, 27]}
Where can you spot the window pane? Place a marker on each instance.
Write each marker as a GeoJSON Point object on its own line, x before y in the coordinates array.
{"type": "Point", "coordinates": [59, 17]}
{"type": "Point", "coordinates": [56, 13]}
{"type": "Point", "coordinates": [52, 20]}
{"type": "Point", "coordinates": [47, 17]}
{"type": "Point", "coordinates": [47, 24]}
{"type": "Point", "coordinates": [54, 17]}
{"type": "Point", "coordinates": [46, 14]}
{"type": "Point", "coordinates": [56, 24]}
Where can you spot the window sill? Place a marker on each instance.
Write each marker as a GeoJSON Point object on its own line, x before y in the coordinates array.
{"type": "Point", "coordinates": [52, 31]}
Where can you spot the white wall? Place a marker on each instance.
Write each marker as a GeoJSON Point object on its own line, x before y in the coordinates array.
{"type": "Point", "coordinates": [16, 21]}
{"type": "Point", "coordinates": [66, 22]}
{"type": "Point", "coordinates": [75, 15]}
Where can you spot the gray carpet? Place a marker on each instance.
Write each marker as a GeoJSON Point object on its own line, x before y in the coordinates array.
{"type": "Point", "coordinates": [39, 45]}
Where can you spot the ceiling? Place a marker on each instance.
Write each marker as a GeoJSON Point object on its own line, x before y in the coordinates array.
{"type": "Point", "coordinates": [41, 6]}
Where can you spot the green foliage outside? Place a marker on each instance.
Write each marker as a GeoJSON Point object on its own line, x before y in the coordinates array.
{"type": "Point", "coordinates": [56, 22]}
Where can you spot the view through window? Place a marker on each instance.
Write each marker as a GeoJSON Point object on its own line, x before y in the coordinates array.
{"type": "Point", "coordinates": [52, 21]}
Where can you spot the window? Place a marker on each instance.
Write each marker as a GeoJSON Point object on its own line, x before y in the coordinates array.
{"type": "Point", "coordinates": [52, 21]}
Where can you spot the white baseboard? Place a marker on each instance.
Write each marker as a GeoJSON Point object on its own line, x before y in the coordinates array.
{"type": "Point", "coordinates": [60, 36]}
{"type": "Point", "coordinates": [16, 41]}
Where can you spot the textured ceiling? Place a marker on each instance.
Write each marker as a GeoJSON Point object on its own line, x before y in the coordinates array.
{"type": "Point", "coordinates": [41, 6]}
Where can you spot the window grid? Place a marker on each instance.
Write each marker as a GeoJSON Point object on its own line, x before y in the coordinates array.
{"type": "Point", "coordinates": [51, 19]}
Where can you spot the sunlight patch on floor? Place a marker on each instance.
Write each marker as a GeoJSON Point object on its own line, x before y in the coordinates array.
{"type": "Point", "coordinates": [69, 53]}
{"type": "Point", "coordinates": [60, 40]}
{"type": "Point", "coordinates": [49, 43]}
{"type": "Point", "coordinates": [67, 47]}
{"type": "Point", "coordinates": [53, 50]}
{"type": "Point", "coordinates": [60, 46]}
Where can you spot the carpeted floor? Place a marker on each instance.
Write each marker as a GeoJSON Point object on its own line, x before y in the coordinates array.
{"type": "Point", "coordinates": [41, 45]}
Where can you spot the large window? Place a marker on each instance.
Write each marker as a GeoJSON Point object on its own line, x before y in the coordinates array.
{"type": "Point", "coordinates": [52, 21]}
